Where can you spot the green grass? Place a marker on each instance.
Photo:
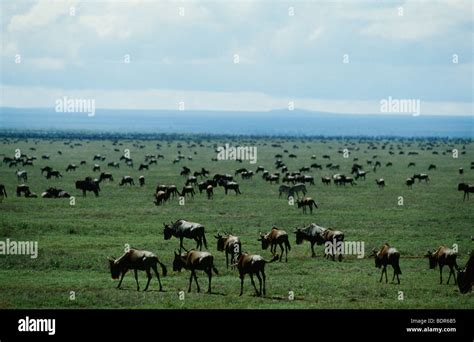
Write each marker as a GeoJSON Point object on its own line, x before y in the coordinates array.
{"type": "Point", "coordinates": [74, 242]}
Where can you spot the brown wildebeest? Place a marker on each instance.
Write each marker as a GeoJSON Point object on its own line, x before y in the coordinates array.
{"type": "Point", "coordinates": [135, 259]}
{"type": "Point", "coordinates": [276, 237]}
{"type": "Point", "coordinates": [443, 256]}
{"type": "Point", "coordinates": [210, 192]}
{"type": "Point", "coordinates": [319, 235]}
{"type": "Point", "coordinates": [467, 188]}
{"type": "Point", "coordinates": [127, 180]}
{"type": "Point", "coordinates": [307, 201]}
{"type": "Point", "coordinates": [193, 261]}
{"type": "Point", "coordinates": [141, 180]}
{"type": "Point", "coordinates": [253, 264]}
{"type": "Point", "coordinates": [229, 244]}
{"type": "Point", "coordinates": [184, 229]}
{"type": "Point", "coordinates": [380, 182]}
{"type": "Point", "coordinates": [187, 189]}
{"type": "Point", "coordinates": [3, 191]}
{"type": "Point", "coordinates": [466, 275]}
{"type": "Point", "coordinates": [387, 256]}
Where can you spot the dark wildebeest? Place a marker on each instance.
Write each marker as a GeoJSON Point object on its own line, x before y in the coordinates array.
{"type": "Point", "coordinates": [114, 164]}
{"type": "Point", "coordinates": [467, 188]}
{"type": "Point", "coordinates": [88, 185]}
{"type": "Point", "coordinates": [21, 175]}
{"type": "Point", "coordinates": [443, 256]}
{"type": "Point", "coordinates": [3, 191]}
{"type": "Point", "coordinates": [135, 259]}
{"type": "Point", "coordinates": [96, 168]}
{"type": "Point", "coordinates": [411, 164]}
{"type": "Point", "coordinates": [307, 201]}
{"type": "Point", "coordinates": [191, 180]}
{"type": "Point", "coordinates": [187, 189]}
{"type": "Point", "coordinates": [260, 168]}
{"type": "Point", "coordinates": [160, 197]}
{"type": "Point", "coordinates": [22, 188]}
{"type": "Point", "coordinates": [276, 237]}
{"type": "Point", "coordinates": [380, 182]}
{"type": "Point", "coordinates": [252, 264]}
{"type": "Point", "coordinates": [466, 275]}
{"type": "Point", "coordinates": [141, 180]}
{"type": "Point", "coordinates": [231, 186]}
{"type": "Point", "coordinates": [53, 173]}
{"type": "Point", "coordinates": [193, 261]}
{"type": "Point", "coordinates": [172, 191]}
{"type": "Point", "coordinates": [326, 180]}
{"type": "Point", "coordinates": [432, 167]}
{"type": "Point", "coordinates": [295, 189]}
{"type": "Point", "coordinates": [210, 192]}
{"type": "Point", "coordinates": [387, 256]}
{"type": "Point", "coordinates": [105, 176]}
{"type": "Point", "coordinates": [319, 235]}
{"type": "Point", "coordinates": [143, 167]}
{"type": "Point", "coordinates": [409, 182]}
{"type": "Point", "coordinates": [421, 176]}
{"type": "Point", "coordinates": [184, 229]}
{"type": "Point", "coordinates": [284, 189]}
{"type": "Point", "coordinates": [229, 244]}
{"type": "Point", "coordinates": [127, 180]}
{"type": "Point", "coordinates": [71, 167]}
{"type": "Point", "coordinates": [46, 169]}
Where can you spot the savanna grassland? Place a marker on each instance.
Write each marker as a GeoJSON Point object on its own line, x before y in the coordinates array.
{"type": "Point", "coordinates": [75, 241]}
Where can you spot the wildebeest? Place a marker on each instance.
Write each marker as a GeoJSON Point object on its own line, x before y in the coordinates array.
{"type": "Point", "coordinates": [409, 182]}
{"type": "Point", "coordinates": [22, 188]}
{"type": "Point", "coordinates": [105, 176]}
{"type": "Point", "coordinates": [387, 256]}
{"type": "Point", "coordinates": [318, 235]}
{"type": "Point", "coordinates": [135, 259]}
{"type": "Point", "coordinates": [411, 164]}
{"type": "Point", "coordinates": [272, 178]}
{"type": "Point", "coordinates": [127, 180]}
{"type": "Point", "coordinates": [276, 237]}
{"type": "Point", "coordinates": [21, 175]}
{"type": "Point", "coordinates": [114, 164]}
{"type": "Point", "coordinates": [231, 186]}
{"type": "Point", "coordinates": [326, 180]}
{"type": "Point", "coordinates": [143, 167]}
{"type": "Point", "coordinates": [187, 189]}
{"type": "Point", "coordinates": [193, 261]}
{"type": "Point", "coordinates": [461, 171]}
{"type": "Point", "coordinates": [3, 191]}
{"type": "Point", "coordinates": [53, 173]}
{"type": "Point", "coordinates": [432, 167]}
{"type": "Point", "coordinates": [160, 197]}
{"type": "Point", "coordinates": [253, 264]}
{"type": "Point", "coordinates": [466, 275]}
{"type": "Point", "coordinates": [184, 229]}
{"type": "Point", "coordinates": [172, 191]}
{"type": "Point", "coordinates": [88, 185]}
{"type": "Point", "coordinates": [96, 168]}
{"type": "Point", "coordinates": [191, 180]}
{"type": "Point", "coordinates": [467, 188]}
{"type": "Point", "coordinates": [229, 244]}
{"type": "Point", "coordinates": [71, 167]}
{"type": "Point", "coordinates": [141, 180]}
{"type": "Point", "coordinates": [421, 176]}
{"type": "Point", "coordinates": [443, 256]}
{"type": "Point", "coordinates": [210, 192]}
{"type": "Point", "coordinates": [380, 182]}
{"type": "Point", "coordinates": [307, 202]}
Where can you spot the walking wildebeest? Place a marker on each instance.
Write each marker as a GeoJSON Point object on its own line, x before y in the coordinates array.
{"type": "Point", "coordinates": [88, 185]}
{"type": "Point", "coordinates": [307, 201]}
{"type": "Point", "coordinates": [231, 186]}
{"type": "Point", "coordinates": [466, 275]}
{"type": "Point", "coordinates": [21, 175]}
{"type": "Point", "coordinates": [380, 182]}
{"type": "Point", "coordinates": [467, 188]}
{"type": "Point", "coordinates": [252, 264]}
{"type": "Point", "coordinates": [135, 259]}
{"type": "Point", "coordinates": [443, 256]}
{"type": "Point", "coordinates": [22, 188]}
{"type": "Point", "coordinates": [319, 235]}
{"type": "Point", "coordinates": [184, 229]}
{"type": "Point", "coordinates": [71, 167]}
{"type": "Point", "coordinates": [53, 173]}
{"type": "Point", "coordinates": [193, 261]}
{"type": "Point", "coordinates": [127, 180]}
{"type": "Point", "coordinates": [387, 256]}
{"type": "Point", "coordinates": [229, 244]}
{"type": "Point", "coordinates": [276, 237]}
{"type": "Point", "coordinates": [326, 180]}
{"type": "Point", "coordinates": [187, 189]}
{"type": "Point", "coordinates": [143, 167]}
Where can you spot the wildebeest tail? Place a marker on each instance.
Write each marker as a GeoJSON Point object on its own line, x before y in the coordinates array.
{"type": "Point", "coordinates": [287, 244]}
{"type": "Point", "coordinates": [204, 238]}
{"type": "Point", "coordinates": [396, 265]}
{"type": "Point", "coordinates": [163, 269]}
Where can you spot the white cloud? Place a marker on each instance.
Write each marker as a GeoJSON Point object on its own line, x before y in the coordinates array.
{"type": "Point", "coordinates": [47, 63]}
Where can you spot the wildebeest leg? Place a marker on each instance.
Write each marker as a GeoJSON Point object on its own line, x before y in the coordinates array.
{"type": "Point", "coordinates": [386, 277]}
{"type": "Point", "coordinates": [190, 281]}
{"type": "Point", "coordinates": [180, 244]}
{"type": "Point", "coordinates": [451, 272]}
{"type": "Point", "coordinates": [381, 275]}
{"type": "Point", "coordinates": [441, 274]}
{"type": "Point", "coordinates": [136, 279]}
{"type": "Point", "coordinates": [263, 276]}
{"type": "Point", "coordinates": [121, 278]}
{"type": "Point", "coordinates": [209, 275]}
{"type": "Point", "coordinates": [241, 284]}
{"type": "Point", "coordinates": [310, 208]}
{"type": "Point", "coordinates": [158, 276]}
{"type": "Point", "coordinates": [313, 255]}
{"type": "Point", "coordinates": [393, 275]}
{"type": "Point", "coordinates": [196, 279]}
{"type": "Point", "coordinates": [281, 255]}
{"type": "Point", "coordinates": [227, 259]}
{"type": "Point", "coordinates": [84, 192]}
{"type": "Point", "coordinates": [148, 274]}
{"type": "Point", "coordinates": [253, 283]}
{"type": "Point", "coordinates": [198, 240]}
{"type": "Point", "coordinates": [259, 281]}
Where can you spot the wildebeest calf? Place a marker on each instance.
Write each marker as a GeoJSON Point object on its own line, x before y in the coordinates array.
{"type": "Point", "coordinates": [273, 238]}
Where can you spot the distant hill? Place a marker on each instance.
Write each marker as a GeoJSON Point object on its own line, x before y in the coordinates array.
{"type": "Point", "coordinates": [278, 122]}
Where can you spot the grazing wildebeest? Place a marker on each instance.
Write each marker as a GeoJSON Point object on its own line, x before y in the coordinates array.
{"type": "Point", "coordinates": [3, 191]}
{"type": "Point", "coordinates": [231, 186]}
{"type": "Point", "coordinates": [307, 201]}
{"type": "Point", "coordinates": [284, 189]}
{"type": "Point", "coordinates": [421, 176]}
{"type": "Point", "coordinates": [466, 275]}
{"type": "Point", "coordinates": [305, 179]}
{"type": "Point", "coordinates": [317, 166]}
{"type": "Point", "coordinates": [191, 180]}
{"type": "Point", "coordinates": [88, 185]}
{"type": "Point", "coordinates": [296, 189]}
{"type": "Point", "coordinates": [229, 244]}
{"type": "Point", "coordinates": [53, 173]}
{"type": "Point", "coordinates": [387, 256]}
{"type": "Point", "coordinates": [210, 191]}
{"type": "Point", "coordinates": [135, 259]}
{"type": "Point", "coordinates": [276, 237]}
{"type": "Point", "coordinates": [247, 175]}
{"type": "Point", "coordinates": [184, 229]}
{"type": "Point", "coordinates": [389, 164]}
{"type": "Point", "coordinates": [187, 189]}
{"type": "Point", "coordinates": [22, 188]}
{"type": "Point", "coordinates": [105, 176]}
{"type": "Point", "coordinates": [143, 167]}
{"type": "Point", "coordinates": [160, 197]}
{"type": "Point", "coordinates": [193, 261]}
{"type": "Point", "coordinates": [96, 168]}
{"type": "Point", "coordinates": [114, 164]}
{"type": "Point", "coordinates": [409, 182]}
{"type": "Point", "coordinates": [172, 191]}
{"type": "Point", "coordinates": [21, 175]}
{"type": "Point", "coordinates": [432, 167]}
{"type": "Point", "coordinates": [443, 256]}
{"type": "Point", "coordinates": [185, 171]}
{"type": "Point", "coordinates": [361, 174]}
{"type": "Point", "coordinates": [467, 188]}
{"type": "Point", "coordinates": [260, 168]}
{"type": "Point", "coordinates": [83, 162]}
{"type": "Point", "coordinates": [326, 180]}
{"type": "Point", "coordinates": [380, 182]}
{"type": "Point", "coordinates": [141, 180]}
{"type": "Point", "coordinates": [318, 235]}
{"type": "Point", "coordinates": [252, 264]}
{"type": "Point", "coordinates": [461, 171]}
{"type": "Point", "coordinates": [127, 180]}
{"type": "Point", "coordinates": [272, 178]}
{"type": "Point", "coordinates": [71, 167]}
{"type": "Point", "coordinates": [411, 164]}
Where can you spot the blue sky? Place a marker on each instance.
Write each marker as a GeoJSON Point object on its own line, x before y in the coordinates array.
{"type": "Point", "coordinates": [282, 57]}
